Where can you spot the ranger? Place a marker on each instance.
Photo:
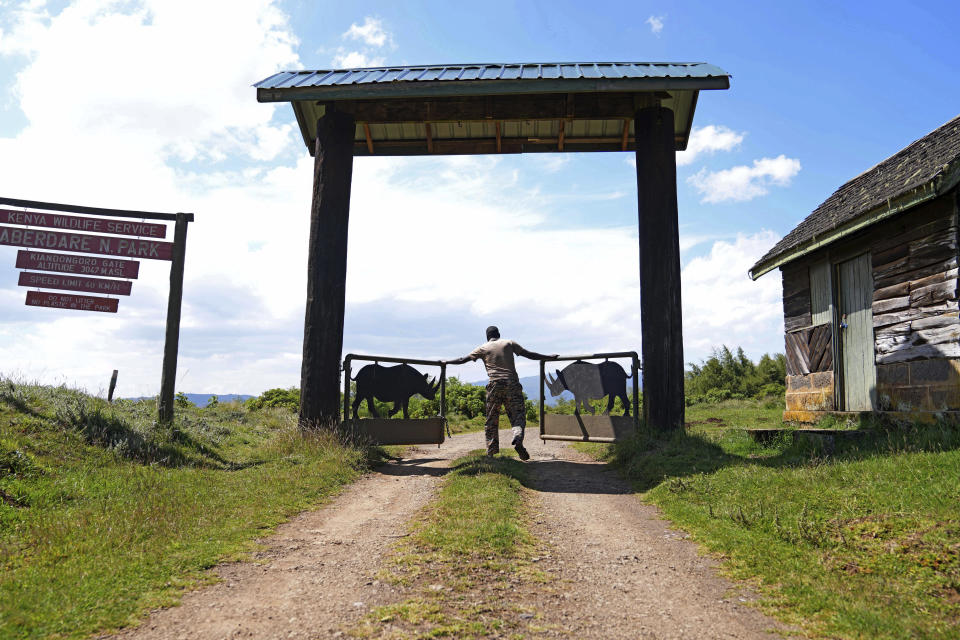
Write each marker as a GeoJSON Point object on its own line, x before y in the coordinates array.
{"type": "Point", "coordinates": [503, 388]}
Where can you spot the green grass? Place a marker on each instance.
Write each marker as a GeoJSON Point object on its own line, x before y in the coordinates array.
{"type": "Point", "coordinates": [478, 511]}
{"type": "Point", "coordinates": [461, 424]}
{"type": "Point", "coordinates": [736, 414]}
{"type": "Point", "coordinates": [863, 542]}
{"type": "Point", "coordinates": [104, 515]}
{"type": "Point", "coordinates": [464, 550]}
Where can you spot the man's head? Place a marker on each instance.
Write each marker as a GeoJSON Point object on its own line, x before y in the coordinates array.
{"type": "Point", "coordinates": [493, 333]}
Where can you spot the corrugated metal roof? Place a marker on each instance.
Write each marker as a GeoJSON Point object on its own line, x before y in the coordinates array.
{"type": "Point", "coordinates": [710, 75]}
{"type": "Point", "coordinates": [556, 106]}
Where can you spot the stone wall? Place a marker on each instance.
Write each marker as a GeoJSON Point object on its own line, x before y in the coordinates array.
{"type": "Point", "coordinates": [919, 385]}
{"type": "Point", "coordinates": [807, 395]}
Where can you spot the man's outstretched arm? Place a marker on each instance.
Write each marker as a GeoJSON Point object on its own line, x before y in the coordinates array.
{"type": "Point", "coordinates": [531, 354]}
{"type": "Point", "coordinates": [462, 360]}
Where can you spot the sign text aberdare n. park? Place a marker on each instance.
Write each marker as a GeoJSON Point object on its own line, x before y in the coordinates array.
{"type": "Point", "coordinates": [81, 243]}
{"type": "Point", "coordinates": [86, 225]}
{"type": "Point", "coordinates": [75, 283]}
{"type": "Point", "coordinates": [71, 301]}
{"type": "Point", "coordinates": [80, 265]}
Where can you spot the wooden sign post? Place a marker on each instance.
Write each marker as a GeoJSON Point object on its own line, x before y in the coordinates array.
{"type": "Point", "coordinates": [169, 376]}
{"type": "Point", "coordinates": [75, 235]}
{"type": "Point", "coordinates": [113, 385]}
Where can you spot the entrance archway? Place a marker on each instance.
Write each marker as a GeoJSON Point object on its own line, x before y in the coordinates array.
{"type": "Point", "coordinates": [642, 107]}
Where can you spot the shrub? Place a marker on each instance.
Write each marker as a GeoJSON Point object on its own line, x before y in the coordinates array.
{"type": "Point", "coordinates": [731, 375]}
{"type": "Point", "coordinates": [274, 398]}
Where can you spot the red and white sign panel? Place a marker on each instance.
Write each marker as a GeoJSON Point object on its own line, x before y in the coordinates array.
{"type": "Point", "coordinates": [75, 283]}
{"type": "Point", "coordinates": [80, 243]}
{"type": "Point", "coordinates": [71, 301]}
{"type": "Point", "coordinates": [81, 223]}
{"type": "Point", "coordinates": [81, 265]}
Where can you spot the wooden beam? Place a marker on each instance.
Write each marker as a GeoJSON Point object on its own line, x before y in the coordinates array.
{"type": "Point", "coordinates": [429, 137]}
{"type": "Point", "coordinates": [171, 345]}
{"type": "Point", "coordinates": [326, 271]}
{"type": "Point", "coordinates": [489, 146]}
{"type": "Point", "coordinates": [499, 145]}
{"type": "Point", "coordinates": [529, 107]}
{"type": "Point", "coordinates": [96, 211]}
{"type": "Point", "coordinates": [624, 136]}
{"type": "Point", "coordinates": [660, 302]}
{"type": "Point", "coordinates": [560, 135]}
{"type": "Point", "coordinates": [366, 132]}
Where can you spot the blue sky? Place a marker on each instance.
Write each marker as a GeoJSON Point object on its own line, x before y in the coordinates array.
{"type": "Point", "coordinates": [147, 105]}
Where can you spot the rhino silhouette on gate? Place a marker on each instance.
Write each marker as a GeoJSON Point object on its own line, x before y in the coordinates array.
{"type": "Point", "coordinates": [392, 384]}
{"type": "Point", "coordinates": [588, 381]}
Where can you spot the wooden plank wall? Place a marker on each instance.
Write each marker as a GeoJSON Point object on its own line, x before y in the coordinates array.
{"type": "Point", "coordinates": [810, 350]}
{"type": "Point", "coordinates": [796, 297]}
{"type": "Point", "coordinates": [821, 293]}
{"type": "Point", "coordinates": [914, 263]}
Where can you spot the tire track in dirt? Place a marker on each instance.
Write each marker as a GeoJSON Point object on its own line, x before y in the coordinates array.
{"type": "Point", "coordinates": [318, 571]}
{"type": "Point", "coordinates": [620, 570]}
{"type": "Point", "coordinates": [624, 572]}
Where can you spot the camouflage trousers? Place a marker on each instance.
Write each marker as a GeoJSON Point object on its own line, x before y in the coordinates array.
{"type": "Point", "coordinates": [509, 394]}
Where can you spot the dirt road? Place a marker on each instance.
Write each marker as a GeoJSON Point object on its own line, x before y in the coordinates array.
{"type": "Point", "coordinates": [624, 572]}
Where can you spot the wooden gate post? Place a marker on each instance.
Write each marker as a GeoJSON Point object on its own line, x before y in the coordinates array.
{"type": "Point", "coordinates": [168, 377]}
{"type": "Point", "coordinates": [660, 305]}
{"type": "Point", "coordinates": [326, 271]}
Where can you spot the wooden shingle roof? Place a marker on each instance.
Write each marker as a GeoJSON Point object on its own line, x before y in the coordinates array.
{"type": "Point", "coordinates": [919, 172]}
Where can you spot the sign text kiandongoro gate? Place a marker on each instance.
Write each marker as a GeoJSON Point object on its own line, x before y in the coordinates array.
{"type": "Point", "coordinates": [642, 107]}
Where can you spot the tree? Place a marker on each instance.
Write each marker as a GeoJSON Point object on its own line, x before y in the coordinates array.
{"type": "Point", "coordinates": [725, 375]}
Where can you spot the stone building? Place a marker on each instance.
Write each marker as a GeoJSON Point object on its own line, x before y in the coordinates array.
{"type": "Point", "coordinates": [870, 290]}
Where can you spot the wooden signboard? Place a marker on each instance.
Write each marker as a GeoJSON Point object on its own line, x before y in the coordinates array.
{"type": "Point", "coordinates": [75, 283]}
{"type": "Point", "coordinates": [82, 243]}
{"type": "Point", "coordinates": [84, 224]}
{"type": "Point", "coordinates": [71, 301]}
{"type": "Point", "coordinates": [78, 234]}
{"type": "Point", "coordinates": [80, 265]}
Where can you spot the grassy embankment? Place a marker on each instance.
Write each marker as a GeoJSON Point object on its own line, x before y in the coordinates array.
{"type": "Point", "coordinates": [464, 552]}
{"type": "Point", "coordinates": [859, 542]}
{"type": "Point", "coordinates": [104, 516]}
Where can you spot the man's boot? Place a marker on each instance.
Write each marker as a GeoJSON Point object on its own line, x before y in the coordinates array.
{"type": "Point", "coordinates": [521, 450]}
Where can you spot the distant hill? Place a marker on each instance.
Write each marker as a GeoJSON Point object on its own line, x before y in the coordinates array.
{"type": "Point", "coordinates": [531, 386]}
{"type": "Point", "coordinates": [202, 399]}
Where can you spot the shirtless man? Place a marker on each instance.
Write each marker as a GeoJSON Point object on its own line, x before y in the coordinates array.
{"type": "Point", "coordinates": [503, 389]}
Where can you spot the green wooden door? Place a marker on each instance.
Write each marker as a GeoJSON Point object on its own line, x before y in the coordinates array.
{"type": "Point", "coordinates": [855, 299]}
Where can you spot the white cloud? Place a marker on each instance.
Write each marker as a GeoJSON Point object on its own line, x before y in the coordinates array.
{"type": "Point", "coordinates": [371, 32]}
{"type": "Point", "coordinates": [173, 88]}
{"type": "Point", "coordinates": [742, 183]}
{"type": "Point", "coordinates": [173, 95]}
{"type": "Point", "coordinates": [356, 60]}
{"type": "Point", "coordinates": [656, 24]}
{"type": "Point", "coordinates": [709, 139]}
{"type": "Point", "coordinates": [704, 140]}
{"type": "Point", "coordinates": [722, 305]}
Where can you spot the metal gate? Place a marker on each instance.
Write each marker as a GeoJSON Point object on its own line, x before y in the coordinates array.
{"type": "Point", "coordinates": [387, 430]}
{"type": "Point", "coordinates": [588, 381]}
